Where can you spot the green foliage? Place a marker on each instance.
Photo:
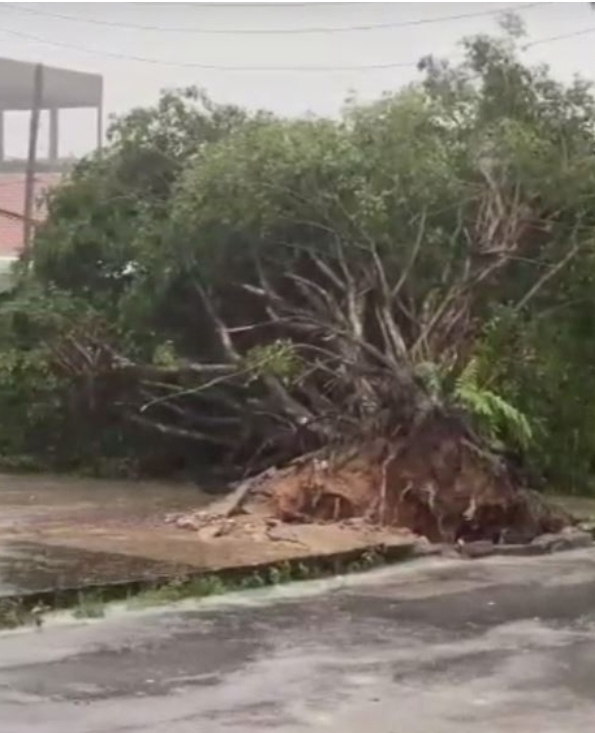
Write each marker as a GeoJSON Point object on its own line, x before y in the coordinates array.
{"type": "Point", "coordinates": [29, 400]}
{"type": "Point", "coordinates": [277, 359]}
{"type": "Point", "coordinates": [96, 260]}
{"type": "Point", "coordinates": [90, 605]}
{"type": "Point", "coordinates": [432, 378]}
{"type": "Point", "coordinates": [106, 220]}
{"type": "Point", "coordinates": [48, 421]}
{"type": "Point", "coordinates": [165, 354]}
{"type": "Point", "coordinates": [498, 419]}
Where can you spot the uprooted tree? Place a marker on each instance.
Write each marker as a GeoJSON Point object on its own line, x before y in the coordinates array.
{"type": "Point", "coordinates": [341, 291]}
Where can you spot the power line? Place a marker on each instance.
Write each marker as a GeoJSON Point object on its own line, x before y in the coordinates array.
{"type": "Point", "coordinates": [246, 68]}
{"type": "Point", "coordinates": [561, 37]}
{"type": "Point", "coordinates": [206, 67]}
{"type": "Point", "coordinates": [270, 31]}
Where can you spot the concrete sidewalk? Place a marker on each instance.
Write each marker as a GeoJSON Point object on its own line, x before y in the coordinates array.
{"type": "Point", "coordinates": [64, 531]}
{"type": "Point", "coordinates": [502, 645]}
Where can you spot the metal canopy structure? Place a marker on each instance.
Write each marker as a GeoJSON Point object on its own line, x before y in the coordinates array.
{"type": "Point", "coordinates": [36, 87]}
{"type": "Point", "coordinates": [61, 89]}
{"type": "Point", "coordinates": [21, 89]}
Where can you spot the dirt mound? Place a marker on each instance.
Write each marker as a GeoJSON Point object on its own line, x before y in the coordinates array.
{"type": "Point", "coordinates": [437, 484]}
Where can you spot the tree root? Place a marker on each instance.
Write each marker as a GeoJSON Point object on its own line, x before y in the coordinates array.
{"type": "Point", "coordinates": [437, 483]}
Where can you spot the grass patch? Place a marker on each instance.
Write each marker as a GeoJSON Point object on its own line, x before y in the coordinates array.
{"type": "Point", "coordinates": [280, 573]}
{"type": "Point", "coordinates": [14, 612]}
{"type": "Point", "coordinates": [178, 590]}
{"type": "Point", "coordinates": [90, 605]}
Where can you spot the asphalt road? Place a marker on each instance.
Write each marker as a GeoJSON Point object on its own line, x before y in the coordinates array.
{"type": "Point", "coordinates": [438, 646]}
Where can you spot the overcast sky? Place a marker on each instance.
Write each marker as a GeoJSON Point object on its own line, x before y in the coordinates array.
{"type": "Point", "coordinates": [129, 83]}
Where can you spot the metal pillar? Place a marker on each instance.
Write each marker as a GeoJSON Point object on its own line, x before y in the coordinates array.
{"type": "Point", "coordinates": [31, 159]}
{"type": "Point", "coordinates": [1, 136]}
{"type": "Point", "coordinates": [54, 134]}
{"type": "Point", "coordinates": [100, 120]}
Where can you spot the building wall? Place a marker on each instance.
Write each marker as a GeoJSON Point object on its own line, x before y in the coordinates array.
{"type": "Point", "coordinates": [12, 199]}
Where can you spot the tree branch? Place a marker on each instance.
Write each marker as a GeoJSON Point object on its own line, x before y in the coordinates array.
{"type": "Point", "coordinates": [176, 432]}
{"type": "Point", "coordinates": [413, 256]}
{"type": "Point", "coordinates": [552, 272]}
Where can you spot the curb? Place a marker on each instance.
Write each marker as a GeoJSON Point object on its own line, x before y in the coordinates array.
{"type": "Point", "coordinates": [292, 569]}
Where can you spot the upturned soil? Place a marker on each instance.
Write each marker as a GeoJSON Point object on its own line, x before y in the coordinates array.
{"type": "Point", "coordinates": [437, 484]}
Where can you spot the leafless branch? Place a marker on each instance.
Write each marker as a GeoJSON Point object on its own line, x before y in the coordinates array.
{"type": "Point", "coordinates": [225, 341]}
{"type": "Point", "coordinates": [413, 256]}
{"type": "Point", "coordinates": [177, 432]}
{"type": "Point", "coordinates": [552, 272]}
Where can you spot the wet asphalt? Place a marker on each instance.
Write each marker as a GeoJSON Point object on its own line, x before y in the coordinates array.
{"type": "Point", "coordinates": [435, 646]}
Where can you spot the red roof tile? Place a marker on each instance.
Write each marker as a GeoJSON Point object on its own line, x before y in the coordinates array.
{"type": "Point", "coordinates": [12, 198]}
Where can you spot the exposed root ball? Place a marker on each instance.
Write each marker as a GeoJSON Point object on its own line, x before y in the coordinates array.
{"type": "Point", "coordinates": [437, 483]}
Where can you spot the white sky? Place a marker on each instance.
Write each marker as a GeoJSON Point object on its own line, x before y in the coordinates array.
{"type": "Point", "coordinates": [131, 83]}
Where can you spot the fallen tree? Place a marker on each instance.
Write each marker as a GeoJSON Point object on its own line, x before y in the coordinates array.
{"type": "Point", "coordinates": [385, 446]}
{"type": "Point", "coordinates": [341, 376]}
{"type": "Point", "coordinates": [328, 293]}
